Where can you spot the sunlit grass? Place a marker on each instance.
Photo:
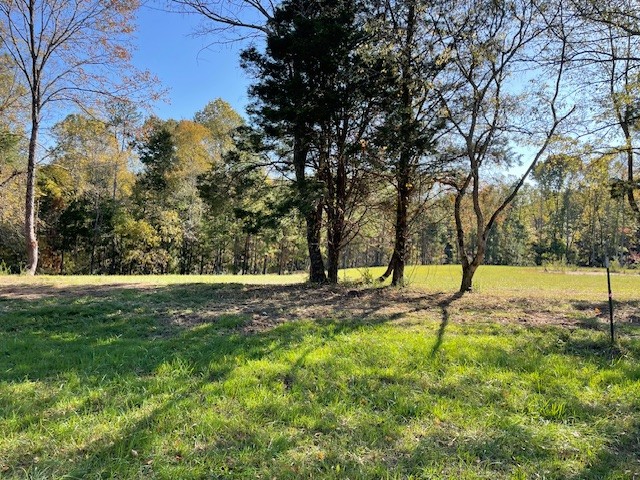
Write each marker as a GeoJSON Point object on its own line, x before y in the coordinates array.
{"type": "Point", "coordinates": [153, 279]}
{"type": "Point", "coordinates": [125, 380]}
{"type": "Point", "coordinates": [504, 280]}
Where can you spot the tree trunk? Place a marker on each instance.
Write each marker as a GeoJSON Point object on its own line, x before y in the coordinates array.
{"type": "Point", "coordinates": [281, 259]}
{"type": "Point", "coordinates": [312, 214]}
{"type": "Point", "coordinates": [469, 267]}
{"type": "Point", "coordinates": [112, 265]}
{"type": "Point", "coordinates": [245, 256]}
{"type": "Point", "coordinates": [400, 248]}
{"type": "Point", "coordinates": [94, 238]}
{"type": "Point", "coordinates": [236, 255]}
{"type": "Point", "coordinates": [316, 264]}
{"type": "Point", "coordinates": [468, 271]}
{"type": "Point", "coordinates": [398, 258]}
{"type": "Point", "coordinates": [333, 257]}
{"type": "Point", "coordinates": [30, 200]}
{"type": "Point", "coordinates": [336, 223]}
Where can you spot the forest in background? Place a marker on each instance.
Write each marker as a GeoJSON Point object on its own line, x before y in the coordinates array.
{"type": "Point", "coordinates": [379, 133]}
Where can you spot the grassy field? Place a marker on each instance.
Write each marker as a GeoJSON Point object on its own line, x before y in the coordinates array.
{"type": "Point", "coordinates": [263, 377]}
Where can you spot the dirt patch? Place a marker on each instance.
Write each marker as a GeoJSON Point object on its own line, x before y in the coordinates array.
{"type": "Point", "coordinates": [267, 306]}
{"type": "Point", "coordinates": [254, 308]}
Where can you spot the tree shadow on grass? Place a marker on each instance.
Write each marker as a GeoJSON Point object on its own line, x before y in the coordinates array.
{"type": "Point", "coordinates": [626, 313]}
{"type": "Point", "coordinates": [150, 353]}
{"type": "Point", "coordinates": [620, 455]}
{"type": "Point", "coordinates": [444, 306]}
{"type": "Point", "coordinates": [541, 432]}
{"type": "Point", "coordinates": [108, 338]}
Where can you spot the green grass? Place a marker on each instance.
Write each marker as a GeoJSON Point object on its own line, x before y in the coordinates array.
{"type": "Point", "coordinates": [101, 378]}
{"type": "Point", "coordinates": [505, 280]}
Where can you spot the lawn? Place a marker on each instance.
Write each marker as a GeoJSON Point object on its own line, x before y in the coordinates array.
{"type": "Point", "coordinates": [190, 377]}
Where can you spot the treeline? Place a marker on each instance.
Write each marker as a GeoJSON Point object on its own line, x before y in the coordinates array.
{"type": "Point", "coordinates": [125, 196]}
{"type": "Point", "coordinates": [379, 133]}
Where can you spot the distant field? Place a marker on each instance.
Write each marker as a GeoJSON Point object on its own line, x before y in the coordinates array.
{"type": "Point", "coordinates": [537, 281]}
{"type": "Point", "coordinates": [264, 377]}
{"type": "Point", "coordinates": [502, 280]}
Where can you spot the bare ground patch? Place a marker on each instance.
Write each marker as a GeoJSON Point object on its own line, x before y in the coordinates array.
{"type": "Point", "coordinates": [265, 306]}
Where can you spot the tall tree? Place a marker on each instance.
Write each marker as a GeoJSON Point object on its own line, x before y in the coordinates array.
{"type": "Point", "coordinates": [412, 119]}
{"type": "Point", "coordinates": [285, 97]}
{"type": "Point", "coordinates": [68, 51]}
{"type": "Point", "coordinates": [490, 47]}
{"type": "Point", "coordinates": [222, 121]}
{"type": "Point", "coordinates": [318, 91]}
{"type": "Point", "coordinates": [556, 178]}
{"type": "Point", "coordinates": [606, 54]}
{"type": "Point", "coordinates": [11, 109]}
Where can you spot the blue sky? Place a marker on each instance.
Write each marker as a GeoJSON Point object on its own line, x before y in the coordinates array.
{"type": "Point", "coordinates": [193, 74]}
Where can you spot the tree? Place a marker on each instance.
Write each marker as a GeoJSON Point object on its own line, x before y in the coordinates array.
{"type": "Point", "coordinates": [606, 52]}
{"type": "Point", "coordinates": [174, 155]}
{"type": "Point", "coordinates": [222, 121]}
{"type": "Point", "coordinates": [556, 177]}
{"type": "Point", "coordinates": [68, 52]}
{"type": "Point", "coordinates": [490, 111]}
{"type": "Point", "coordinates": [239, 190]}
{"type": "Point", "coordinates": [11, 108]}
{"type": "Point", "coordinates": [86, 149]}
{"type": "Point", "coordinates": [317, 91]}
{"type": "Point", "coordinates": [412, 119]}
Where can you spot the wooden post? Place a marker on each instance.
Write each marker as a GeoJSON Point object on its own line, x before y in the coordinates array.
{"type": "Point", "coordinates": [606, 263]}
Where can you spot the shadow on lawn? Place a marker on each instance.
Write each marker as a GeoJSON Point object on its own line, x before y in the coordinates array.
{"type": "Point", "coordinates": [621, 454]}
{"type": "Point", "coordinates": [107, 331]}
{"type": "Point", "coordinates": [105, 337]}
{"type": "Point", "coordinates": [165, 346]}
{"type": "Point", "coordinates": [626, 313]}
{"type": "Point", "coordinates": [444, 306]}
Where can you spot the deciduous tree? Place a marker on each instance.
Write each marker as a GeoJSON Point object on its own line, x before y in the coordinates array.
{"type": "Point", "coordinates": [68, 52]}
{"type": "Point", "coordinates": [490, 46]}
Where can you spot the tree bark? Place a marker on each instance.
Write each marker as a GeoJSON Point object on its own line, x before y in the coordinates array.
{"type": "Point", "coordinates": [312, 214]}
{"type": "Point", "coordinates": [402, 230]}
{"type": "Point", "coordinates": [94, 238]}
{"type": "Point", "coordinates": [469, 267]}
{"type": "Point", "coordinates": [336, 220]}
{"type": "Point", "coordinates": [333, 257]}
{"type": "Point", "coordinates": [245, 256]}
{"type": "Point", "coordinates": [30, 199]}
{"type": "Point", "coordinates": [398, 258]}
{"type": "Point", "coordinates": [403, 175]}
{"type": "Point", "coordinates": [236, 255]}
{"type": "Point", "coordinates": [316, 263]}
{"type": "Point", "coordinates": [468, 272]}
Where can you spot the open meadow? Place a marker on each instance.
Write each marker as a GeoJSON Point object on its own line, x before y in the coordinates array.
{"type": "Point", "coordinates": [180, 377]}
